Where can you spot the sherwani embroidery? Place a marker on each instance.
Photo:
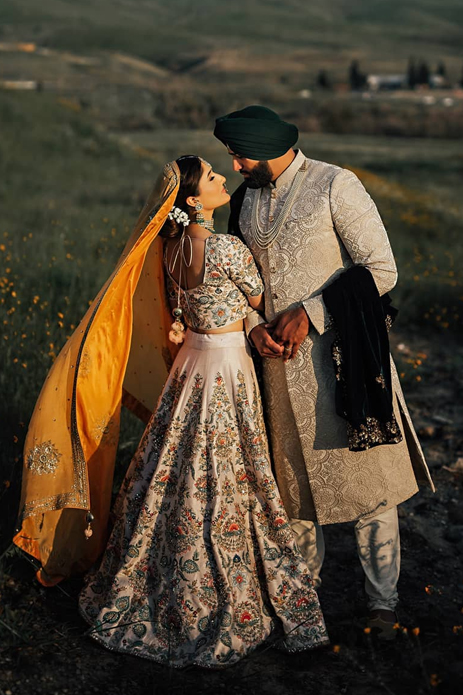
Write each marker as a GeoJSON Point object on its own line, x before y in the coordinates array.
{"type": "Point", "coordinates": [332, 225]}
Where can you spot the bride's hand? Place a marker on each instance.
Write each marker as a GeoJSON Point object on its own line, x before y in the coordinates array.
{"type": "Point", "coordinates": [289, 329]}
{"type": "Point", "coordinates": [264, 343]}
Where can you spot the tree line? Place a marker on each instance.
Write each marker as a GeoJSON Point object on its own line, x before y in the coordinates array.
{"type": "Point", "coordinates": [418, 74]}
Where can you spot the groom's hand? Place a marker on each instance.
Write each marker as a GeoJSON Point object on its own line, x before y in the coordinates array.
{"type": "Point", "coordinates": [289, 329]}
{"type": "Point", "coordinates": [264, 343]}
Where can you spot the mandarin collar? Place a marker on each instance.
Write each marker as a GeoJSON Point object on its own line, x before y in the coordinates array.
{"type": "Point", "coordinates": [289, 173]}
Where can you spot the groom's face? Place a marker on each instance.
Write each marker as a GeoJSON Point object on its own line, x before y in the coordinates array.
{"type": "Point", "coordinates": [256, 174]}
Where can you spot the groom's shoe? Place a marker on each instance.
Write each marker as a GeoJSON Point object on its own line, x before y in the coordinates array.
{"type": "Point", "coordinates": [383, 623]}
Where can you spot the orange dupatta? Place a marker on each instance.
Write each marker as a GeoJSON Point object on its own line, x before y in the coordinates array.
{"type": "Point", "coordinates": [119, 352]}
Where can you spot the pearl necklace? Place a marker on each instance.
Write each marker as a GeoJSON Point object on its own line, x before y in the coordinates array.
{"type": "Point", "coordinates": [265, 238]}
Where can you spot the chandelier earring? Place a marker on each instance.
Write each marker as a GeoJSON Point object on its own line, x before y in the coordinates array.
{"type": "Point", "coordinates": [199, 215]}
{"type": "Point", "coordinates": [201, 220]}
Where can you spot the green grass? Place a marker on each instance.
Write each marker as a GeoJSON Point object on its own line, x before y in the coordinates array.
{"type": "Point", "coordinates": [161, 30]}
{"type": "Point", "coordinates": [70, 195]}
{"type": "Point", "coordinates": [69, 199]}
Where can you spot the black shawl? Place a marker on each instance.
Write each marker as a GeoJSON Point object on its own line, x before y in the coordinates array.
{"type": "Point", "coordinates": [361, 357]}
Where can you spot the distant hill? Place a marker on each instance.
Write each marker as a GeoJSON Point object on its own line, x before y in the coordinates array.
{"type": "Point", "coordinates": [145, 64]}
{"type": "Point", "coordinates": [253, 36]}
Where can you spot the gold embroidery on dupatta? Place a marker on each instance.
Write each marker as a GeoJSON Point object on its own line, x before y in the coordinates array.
{"type": "Point", "coordinates": [43, 458]}
{"type": "Point", "coordinates": [105, 432]}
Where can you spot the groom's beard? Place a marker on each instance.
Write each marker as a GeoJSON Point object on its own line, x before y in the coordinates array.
{"type": "Point", "coordinates": [260, 176]}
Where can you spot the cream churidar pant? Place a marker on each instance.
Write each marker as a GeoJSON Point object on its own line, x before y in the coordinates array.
{"type": "Point", "coordinates": [378, 547]}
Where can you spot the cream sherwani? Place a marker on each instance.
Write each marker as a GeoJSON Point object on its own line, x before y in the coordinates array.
{"type": "Point", "coordinates": [333, 224]}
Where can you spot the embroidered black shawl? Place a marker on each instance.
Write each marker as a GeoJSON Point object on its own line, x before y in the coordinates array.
{"type": "Point", "coordinates": [361, 358]}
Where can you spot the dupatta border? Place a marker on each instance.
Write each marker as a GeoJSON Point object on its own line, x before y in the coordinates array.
{"type": "Point", "coordinates": [78, 496]}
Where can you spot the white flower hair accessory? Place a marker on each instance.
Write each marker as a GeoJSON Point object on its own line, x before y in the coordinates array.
{"type": "Point", "coordinates": [179, 216]}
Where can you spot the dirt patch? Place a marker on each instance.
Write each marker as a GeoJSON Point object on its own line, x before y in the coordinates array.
{"type": "Point", "coordinates": [45, 650]}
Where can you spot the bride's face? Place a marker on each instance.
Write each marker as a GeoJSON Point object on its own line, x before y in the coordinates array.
{"type": "Point", "coordinates": [212, 190]}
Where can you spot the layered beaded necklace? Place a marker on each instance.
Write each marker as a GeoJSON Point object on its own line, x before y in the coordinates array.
{"type": "Point", "coordinates": [207, 224]}
{"type": "Point", "coordinates": [265, 238]}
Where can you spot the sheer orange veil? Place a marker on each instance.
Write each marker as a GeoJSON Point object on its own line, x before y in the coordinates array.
{"type": "Point", "coordinates": [120, 353]}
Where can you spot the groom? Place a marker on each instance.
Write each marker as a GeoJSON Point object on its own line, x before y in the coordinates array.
{"type": "Point", "coordinates": [306, 222]}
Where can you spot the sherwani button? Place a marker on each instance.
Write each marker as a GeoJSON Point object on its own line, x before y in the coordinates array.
{"type": "Point", "coordinates": [274, 295]}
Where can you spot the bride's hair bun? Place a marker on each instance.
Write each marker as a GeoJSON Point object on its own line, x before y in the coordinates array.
{"type": "Point", "coordinates": [190, 173]}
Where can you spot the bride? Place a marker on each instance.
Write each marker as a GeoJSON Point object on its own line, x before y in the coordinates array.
{"type": "Point", "coordinates": [201, 565]}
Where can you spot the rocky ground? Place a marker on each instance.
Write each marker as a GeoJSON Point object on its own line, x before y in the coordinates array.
{"type": "Point", "coordinates": [44, 649]}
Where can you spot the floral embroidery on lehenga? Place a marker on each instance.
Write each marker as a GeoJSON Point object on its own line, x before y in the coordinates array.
{"type": "Point", "coordinates": [201, 566]}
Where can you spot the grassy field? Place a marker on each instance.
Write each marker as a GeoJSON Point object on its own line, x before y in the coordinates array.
{"type": "Point", "coordinates": [296, 33]}
{"type": "Point", "coordinates": [70, 193]}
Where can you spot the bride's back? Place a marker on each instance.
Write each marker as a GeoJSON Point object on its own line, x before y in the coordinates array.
{"type": "Point", "coordinates": [216, 289]}
{"type": "Point", "coordinates": [187, 269]}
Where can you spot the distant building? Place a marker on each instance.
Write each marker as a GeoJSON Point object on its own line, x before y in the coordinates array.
{"type": "Point", "coordinates": [438, 81]}
{"type": "Point", "coordinates": [375, 83]}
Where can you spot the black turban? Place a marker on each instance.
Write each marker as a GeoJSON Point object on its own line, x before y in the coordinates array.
{"type": "Point", "coordinates": [256, 133]}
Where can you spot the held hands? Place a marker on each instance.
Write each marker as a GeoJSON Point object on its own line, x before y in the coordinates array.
{"type": "Point", "coordinates": [264, 343]}
{"type": "Point", "coordinates": [288, 330]}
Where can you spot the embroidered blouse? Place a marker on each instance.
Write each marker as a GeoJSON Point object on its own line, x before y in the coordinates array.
{"type": "Point", "coordinates": [230, 276]}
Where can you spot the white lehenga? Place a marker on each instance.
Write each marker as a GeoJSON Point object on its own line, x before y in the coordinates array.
{"type": "Point", "coordinates": [201, 566]}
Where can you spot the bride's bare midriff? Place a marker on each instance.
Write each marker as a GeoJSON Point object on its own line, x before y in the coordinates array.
{"type": "Point", "coordinates": [234, 327]}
